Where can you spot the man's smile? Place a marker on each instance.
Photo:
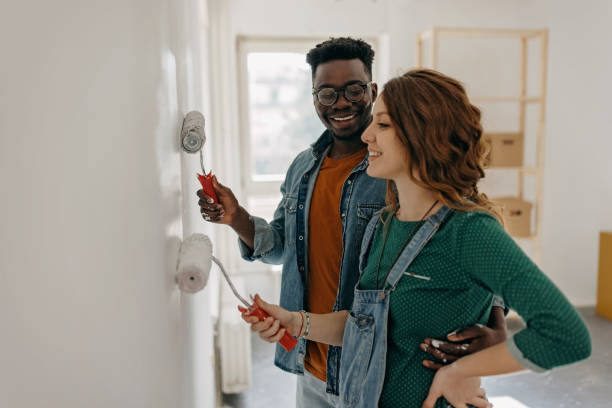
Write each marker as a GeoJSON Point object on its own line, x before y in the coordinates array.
{"type": "Point", "coordinates": [343, 118]}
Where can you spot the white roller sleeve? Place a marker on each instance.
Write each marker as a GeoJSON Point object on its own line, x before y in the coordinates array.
{"type": "Point", "coordinates": [194, 263]}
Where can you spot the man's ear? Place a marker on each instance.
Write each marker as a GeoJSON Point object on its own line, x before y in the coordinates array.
{"type": "Point", "coordinates": [374, 88]}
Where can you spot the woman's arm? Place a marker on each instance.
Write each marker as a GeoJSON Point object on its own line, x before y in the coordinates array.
{"type": "Point", "coordinates": [554, 335]}
{"type": "Point", "coordinates": [324, 328]}
{"type": "Point", "coordinates": [327, 328]}
{"type": "Point", "coordinates": [494, 360]}
{"type": "Point", "coordinates": [449, 380]}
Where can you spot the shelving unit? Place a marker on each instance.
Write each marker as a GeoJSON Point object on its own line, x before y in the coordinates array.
{"type": "Point", "coordinates": [430, 41]}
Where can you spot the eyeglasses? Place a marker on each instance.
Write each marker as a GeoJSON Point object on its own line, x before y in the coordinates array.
{"type": "Point", "coordinates": [328, 96]}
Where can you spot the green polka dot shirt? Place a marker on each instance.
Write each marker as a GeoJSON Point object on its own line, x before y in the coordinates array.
{"type": "Point", "coordinates": [451, 284]}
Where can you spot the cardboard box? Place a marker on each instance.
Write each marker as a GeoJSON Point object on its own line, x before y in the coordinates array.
{"type": "Point", "coordinates": [604, 278]}
{"type": "Point", "coordinates": [506, 149]}
{"type": "Point", "coordinates": [517, 215]}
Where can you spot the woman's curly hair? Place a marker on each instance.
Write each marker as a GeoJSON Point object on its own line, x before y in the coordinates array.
{"type": "Point", "coordinates": [442, 134]}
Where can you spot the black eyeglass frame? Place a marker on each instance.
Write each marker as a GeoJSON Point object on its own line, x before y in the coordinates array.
{"type": "Point", "coordinates": [337, 91]}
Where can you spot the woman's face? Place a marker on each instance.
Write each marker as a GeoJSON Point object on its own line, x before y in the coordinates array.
{"type": "Point", "coordinates": [388, 157]}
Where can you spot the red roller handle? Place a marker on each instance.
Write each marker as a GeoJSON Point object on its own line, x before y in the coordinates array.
{"type": "Point", "coordinates": [287, 341]}
{"type": "Point", "coordinates": [206, 181]}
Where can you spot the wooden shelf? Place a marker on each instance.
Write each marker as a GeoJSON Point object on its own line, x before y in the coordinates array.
{"type": "Point", "coordinates": [535, 99]}
{"type": "Point", "coordinates": [529, 170]}
{"type": "Point", "coordinates": [476, 32]}
{"type": "Point", "coordinates": [433, 37]}
{"type": "Point", "coordinates": [533, 237]}
{"type": "Point", "coordinates": [523, 169]}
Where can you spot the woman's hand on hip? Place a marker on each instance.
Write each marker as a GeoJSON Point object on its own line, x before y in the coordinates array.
{"type": "Point", "coordinates": [457, 389]}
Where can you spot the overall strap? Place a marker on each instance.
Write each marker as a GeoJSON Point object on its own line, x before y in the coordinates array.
{"type": "Point", "coordinates": [414, 247]}
{"type": "Point", "coordinates": [367, 238]}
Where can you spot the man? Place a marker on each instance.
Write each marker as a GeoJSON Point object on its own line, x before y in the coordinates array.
{"type": "Point", "coordinates": [316, 233]}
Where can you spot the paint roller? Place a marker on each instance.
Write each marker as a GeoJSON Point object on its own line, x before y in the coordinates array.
{"type": "Point", "coordinates": [193, 138]}
{"type": "Point", "coordinates": [194, 263]}
{"type": "Point", "coordinates": [195, 255]}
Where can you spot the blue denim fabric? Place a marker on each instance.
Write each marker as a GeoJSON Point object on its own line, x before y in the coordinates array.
{"type": "Point", "coordinates": [362, 369]}
{"type": "Point", "coordinates": [284, 240]}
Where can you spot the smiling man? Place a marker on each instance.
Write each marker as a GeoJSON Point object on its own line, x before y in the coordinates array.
{"type": "Point", "coordinates": [318, 226]}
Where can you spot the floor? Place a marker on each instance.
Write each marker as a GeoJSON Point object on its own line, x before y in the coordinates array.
{"type": "Point", "coordinates": [588, 384]}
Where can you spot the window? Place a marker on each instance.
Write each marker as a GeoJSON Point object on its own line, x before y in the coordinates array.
{"type": "Point", "coordinates": [278, 119]}
{"type": "Point", "coordinates": [281, 120]}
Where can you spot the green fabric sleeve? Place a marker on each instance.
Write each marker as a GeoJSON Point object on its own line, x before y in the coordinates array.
{"type": "Point", "coordinates": [555, 334]}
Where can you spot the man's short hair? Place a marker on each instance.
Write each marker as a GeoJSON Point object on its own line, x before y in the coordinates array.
{"type": "Point", "coordinates": [341, 48]}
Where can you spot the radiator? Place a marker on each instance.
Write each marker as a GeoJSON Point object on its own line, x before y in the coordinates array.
{"type": "Point", "coordinates": [234, 343]}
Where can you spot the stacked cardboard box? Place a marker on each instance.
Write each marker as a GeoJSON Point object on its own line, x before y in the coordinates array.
{"type": "Point", "coordinates": [505, 149]}
{"type": "Point", "coordinates": [517, 215]}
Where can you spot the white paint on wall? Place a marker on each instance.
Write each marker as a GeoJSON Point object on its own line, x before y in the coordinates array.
{"type": "Point", "coordinates": [91, 100]}
{"type": "Point", "coordinates": [578, 171]}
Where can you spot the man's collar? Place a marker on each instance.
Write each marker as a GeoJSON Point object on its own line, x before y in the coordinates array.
{"type": "Point", "coordinates": [322, 144]}
{"type": "Point", "coordinates": [319, 147]}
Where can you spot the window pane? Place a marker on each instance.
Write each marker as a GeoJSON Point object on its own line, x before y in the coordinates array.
{"type": "Point", "coordinates": [282, 118]}
{"type": "Point", "coordinates": [263, 205]}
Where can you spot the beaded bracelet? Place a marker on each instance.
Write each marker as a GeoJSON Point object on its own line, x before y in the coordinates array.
{"type": "Point", "coordinates": [307, 330]}
{"type": "Point", "coordinates": [307, 324]}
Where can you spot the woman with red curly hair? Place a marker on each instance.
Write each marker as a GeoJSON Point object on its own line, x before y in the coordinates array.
{"type": "Point", "coordinates": [432, 260]}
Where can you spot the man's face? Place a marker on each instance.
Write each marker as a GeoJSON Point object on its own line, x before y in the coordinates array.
{"type": "Point", "coordinates": [345, 119]}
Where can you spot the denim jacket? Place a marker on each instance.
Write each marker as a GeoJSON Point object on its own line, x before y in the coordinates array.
{"type": "Point", "coordinates": [285, 241]}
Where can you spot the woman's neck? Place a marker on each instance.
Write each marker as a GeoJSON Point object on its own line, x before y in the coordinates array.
{"type": "Point", "coordinates": [414, 200]}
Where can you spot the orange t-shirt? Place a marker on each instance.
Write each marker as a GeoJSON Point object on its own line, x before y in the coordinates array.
{"type": "Point", "coordinates": [325, 248]}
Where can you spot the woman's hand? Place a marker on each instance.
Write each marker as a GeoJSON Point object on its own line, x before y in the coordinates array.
{"type": "Point", "coordinates": [457, 389]}
{"type": "Point", "coordinates": [270, 329]}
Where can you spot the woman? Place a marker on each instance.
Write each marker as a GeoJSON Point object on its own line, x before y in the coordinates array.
{"type": "Point", "coordinates": [438, 246]}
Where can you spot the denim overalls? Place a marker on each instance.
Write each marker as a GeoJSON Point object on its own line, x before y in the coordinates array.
{"type": "Point", "coordinates": [364, 348]}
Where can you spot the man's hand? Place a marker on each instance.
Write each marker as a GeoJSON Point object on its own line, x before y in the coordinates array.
{"type": "Point", "coordinates": [225, 211]}
{"type": "Point", "coordinates": [466, 341]}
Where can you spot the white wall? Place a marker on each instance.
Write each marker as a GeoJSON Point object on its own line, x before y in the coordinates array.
{"type": "Point", "coordinates": [578, 176]}
{"type": "Point", "coordinates": [578, 173]}
{"type": "Point", "coordinates": [91, 100]}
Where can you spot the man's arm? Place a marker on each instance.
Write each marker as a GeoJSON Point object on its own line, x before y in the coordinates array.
{"type": "Point", "coordinates": [259, 240]}
{"type": "Point", "coordinates": [244, 227]}
{"type": "Point", "coordinates": [466, 341]}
